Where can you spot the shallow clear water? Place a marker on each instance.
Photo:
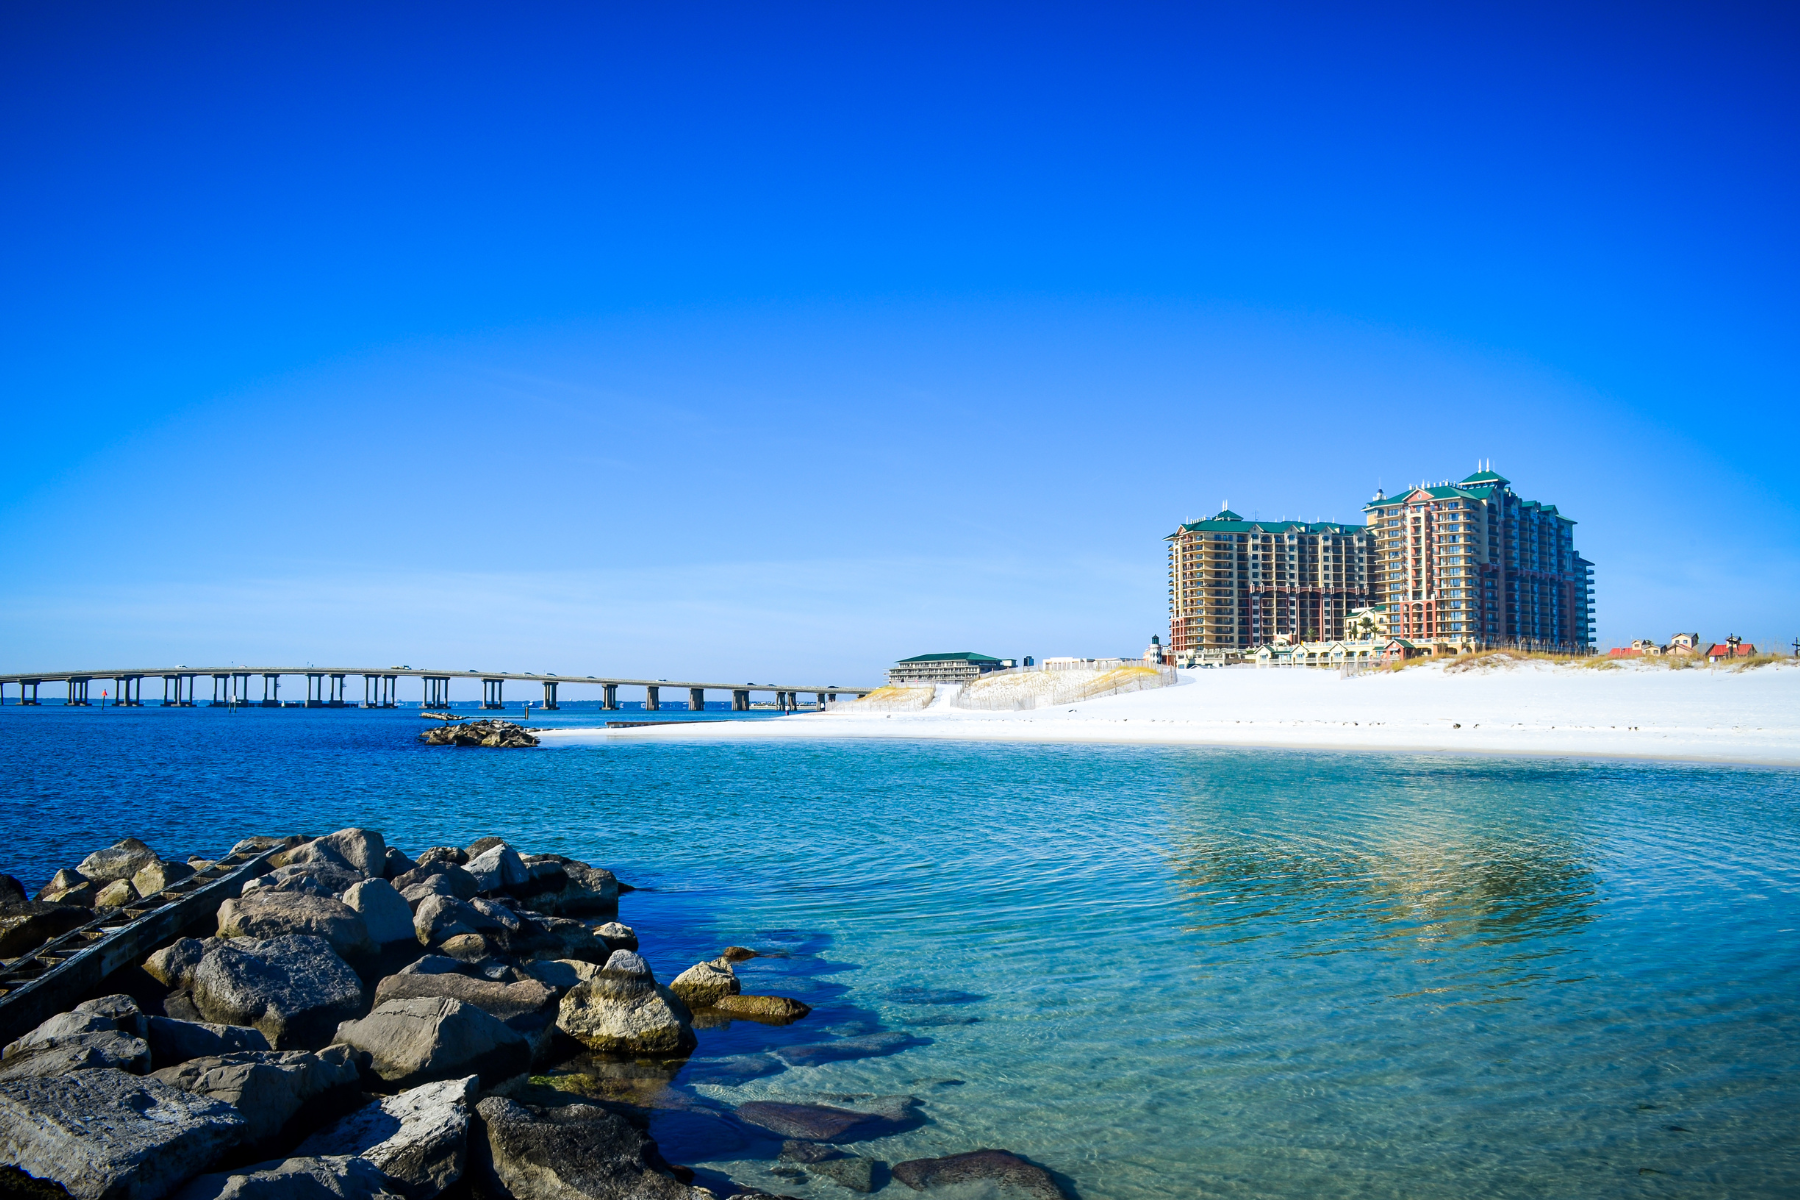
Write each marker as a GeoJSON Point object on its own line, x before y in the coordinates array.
{"type": "Point", "coordinates": [1157, 971]}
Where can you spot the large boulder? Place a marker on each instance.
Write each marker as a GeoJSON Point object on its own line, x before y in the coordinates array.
{"type": "Point", "coordinates": [272, 914]}
{"type": "Point", "coordinates": [387, 916]}
{"type": "Point", "coordinates": [155, 877]}
{"type": "Point", "coordinates": [172, 1041]}
{"type": "Point", "coordinates": [318, 851]}
{"type": "Point", "coordinates": [364, 849]}
{"type": "Point", "coordinates": [78, 1052]}
{"type": "Point", "coordinates": [617, 936]}
{"type": "Point", "coordinates": [268, 1087]}
{"type": "Point", "coordinates": [106, 1135]}
{"type": "Point", "coordinates": [703, 984]}
{"type": "Point", "coordinates": [444, 854]}
{"type": "Point", "coordinates": [622, 1010]}
{"type": "Point", "coordinates": [440, 918]}
{"type": "Point", "coordinates": [503, 1000]}
{"type": "Point", "coordinates": [121, 1010]}
{"type": "Point", "coordinates": [27, 924]}
{"type": "Point", "coordinates": [416, 894]}
{"type": "Point", "coordinates": [396, 864]}
{"type": "Point", "coordinates": [430, 1038]}
{"type": "Point", "coordinates": [498, 868]}
{"type": "Point", "coordinates": [336, 1178]}
{"type": "Point", "coordinates": [419, 1138]}
{"type": "Point", "coordinates": [980, 1168]}
{"type": "Point", "coordinates": [294, 989]}
{"type": "Point", "coordinates": [461, 883]}
{"type": "Point", "coordinates": [584, 890]}
{"type": "Point", "coordinates": [544, 937]}
{"type": "Point", "coordinates": [116, 894]}
{"type": "Point", "coordinates": [11, 890]}
{"type": "Point", "coordinates": [173, 966]}
{"type": "Point", "coordinates": [575, 1152]}
{"type": "Point", "coordinates": [121, 860]}
{"type": "Point", "coordinates": [319, 878]}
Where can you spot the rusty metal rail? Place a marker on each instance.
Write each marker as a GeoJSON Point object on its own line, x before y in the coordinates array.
{"type": "Point", "coordinates": [55, 977]}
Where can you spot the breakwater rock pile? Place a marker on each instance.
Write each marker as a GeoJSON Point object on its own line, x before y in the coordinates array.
{"type": "Point", "coordinates": [361, 1024]}
{"type": "Point", "coordinates": [497, 735]}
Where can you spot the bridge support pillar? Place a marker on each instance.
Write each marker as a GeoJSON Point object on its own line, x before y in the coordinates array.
{"type": "Point", "coordinates": [389, 691]}
{"type": "Point", "coordinates": [437, 691]}
{"type": "Point", "coordinates": [550, 695]}
{"type": "Point", "coordinates": [337, 692]}
{"type": "Point", "coordinates": [696, 699]}
{"type": "Point", "coordinates": [28, 691]}
{"type": "Point", "coordinates": [612, 697]}
{"type": "Point", "coordinates": [652, 699]}
{"type": "Point", "coordinates": [740, 700]}
{"type": "Point", "coordinates": [819, 701]}
{"type": "Point", "coordinates": [491, 693]}
{"type": "Point", "coordinates": [271, 690]}
{"type": "Point", "coordinates": [78, 691]}
{"type": "Point", "coordinates": [130, 689]}
{"type": "Point", "coordinates": [315, 689]}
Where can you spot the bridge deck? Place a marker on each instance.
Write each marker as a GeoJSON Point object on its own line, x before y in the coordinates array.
{"type": "Point", "coordinates": [508, 676]}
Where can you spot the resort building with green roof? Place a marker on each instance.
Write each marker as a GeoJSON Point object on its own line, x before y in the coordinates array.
{"type": "Point", "coordinates": [1235, 585]}
{"type": "Point", "coordinates": [1473, 563]}
{"type": "Point", "coordinates": [959, 667]}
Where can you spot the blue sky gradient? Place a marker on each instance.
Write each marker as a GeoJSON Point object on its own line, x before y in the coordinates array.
{"type": "Point", "coordinates": [704, 340]}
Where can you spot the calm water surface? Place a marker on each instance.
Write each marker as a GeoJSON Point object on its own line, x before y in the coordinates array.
{"type": "Point", "coordinates": [1159, 972]}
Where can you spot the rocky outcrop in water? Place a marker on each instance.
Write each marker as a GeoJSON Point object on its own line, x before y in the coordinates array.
{"type": "Point", "coordinates": [622, 1010]}
{"type": "Point", "coordinates": [499, 735]}
{"type": "Point", "coordinates": [977, 1167]}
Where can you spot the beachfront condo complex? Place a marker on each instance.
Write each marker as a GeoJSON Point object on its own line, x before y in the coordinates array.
{"type": "Point", "coordinates": [1235, 585]}
{"type": "Point", "coordinates": [1473, 562]}
{"type": "Point", "coordinates": [1469, 563]}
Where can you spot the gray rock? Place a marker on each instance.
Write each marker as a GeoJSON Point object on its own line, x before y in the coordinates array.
{"type": "Point", "coordinates": [545, 937]}
{"type": "Point", "coordinates": [482, 845]}
{"type": "Point", "coordinates": [387, 916]}
{"type": "Point", "coordinates": [434, 964]}
{"type": "Point", "coordinates": [439, 918]}
{"type": "Point", "coordinates": [469, 948]}
{"type": "Point", "coordinates": [106, 1135]}
{"type": "Point", "coordinates": [617, 936]}
{"type": "Point", "coordinates": [121, 860]}
{"type": "Point", "coordinates": [121, 1010]}
{"type": "Point", "coordinates": [462, 884]}
{"type": "Point", "coordinates": [576, 1152]}
{"type": "Point", "coordinates": [704, 983]}
{"type": "Point", "coordinates": [268, 1087]}
{"type": "Point", "coordinates": [294, 989]}
{"type": "Point", "coordinates": [431, 1038]}
{"type": "Point", "coordinates": [503, 1000]}
{"type": "Point", "coordinates": [498, 869]}
{"type": "Point", "coordinates": [173, 1041]}
{"type": "Point", "coordinates": [317, 851]}
{"type": "Point", "coordinates": [78, 1052]}
{"type": "Point", "coordinates": [269, 914]}
{"type": "Point", "coordinates": [27, 924]}
{"type": "Point", "coordinates": [202, 864]}
{"type": "Point", "coordinates": [419, 1138]}
{"type": "Point", "coordinates": [62, 1025]}
{"type": "Point", "coordinates": [562, 973]}
{"type": "Point", "coordinates": [364, 849]}
{"type": "Point", "coordinates": [81, 894]}
{"type": "Point", "coordinates": [256, 845]}
{"type": "Point", "coordinates": [432, 885]}
{"type": "Point", "coordinates": [769, 1010]}
{"type": "Point", "coordinates": [336, 1178]}
{"type": "Point", "coordinates": [159, 875]}
{"type": "Point", "coordinates": [993, 1167]}
{"type": "Point", "coordinates": [180, 1006]}
{"type": "Point", "coordinates": [443, 854]}
{"type": "Point", "coordinates": [173, 965]}
{"type": "Point", "coordinates": [116, 894]}
{"type": "Point", "coordinates": [499, 917]}
{"type": "Point", "coordinates": [585, 890]}
{"type": "Point", "coordinates": [62, 881]}
{"type": "Point", "coordinates": [395, 864]}
{"type": "Point", "coordinates": [622, 1010]}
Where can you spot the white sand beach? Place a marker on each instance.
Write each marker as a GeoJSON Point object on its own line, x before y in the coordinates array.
{"type": "Point", "coordinates": [1633, 711]}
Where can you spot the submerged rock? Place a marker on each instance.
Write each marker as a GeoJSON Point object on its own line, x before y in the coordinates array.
{"type": "Point", "coordinates": [872, 1045]}
{"type": "Point", "coordinates": [1001, 1167]}
{"type": "Point", "coordinates": [104, 1134]}
{"type": "Point", "coordinates": [294, 989]}
{"type": "Point", "coordinates": [814, 1122]}
{"type": "Point", "coordinates": [418, 1138]}
{"type": "Point", "coordinates": [771, 1010]}
{"type": "Point", "coordinates": [846, 1170]}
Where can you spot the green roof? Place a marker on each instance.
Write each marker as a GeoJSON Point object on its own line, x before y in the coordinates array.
{"type": "Point", "coordinates": [959, 656]}
{"type": "Point", "coordinates": [1487, 477]}
{"type": "Point", "coordinates": [1237, 524]}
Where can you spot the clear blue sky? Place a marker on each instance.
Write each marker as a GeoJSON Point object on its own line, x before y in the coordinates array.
{"type": "Point", "coordinates": [759, 340]}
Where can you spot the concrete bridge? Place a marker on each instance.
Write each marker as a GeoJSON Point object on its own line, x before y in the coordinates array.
{"type": "Point", "coordinates": [325, 687]}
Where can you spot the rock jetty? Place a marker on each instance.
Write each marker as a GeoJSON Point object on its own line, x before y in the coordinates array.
{"type": "Point", "coordinates": [499, 735]}
{"type": "Point", "coordinates": [360, 1023]}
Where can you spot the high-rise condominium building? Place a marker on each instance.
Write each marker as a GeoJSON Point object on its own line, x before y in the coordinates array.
{"type": "Point", "coordinates": [1236, 584]}
{"type": "Point", "coordinates": [1474, 562]}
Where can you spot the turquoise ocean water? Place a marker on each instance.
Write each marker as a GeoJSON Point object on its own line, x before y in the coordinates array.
{"type": "Point", "coordinates": [1157, 971]}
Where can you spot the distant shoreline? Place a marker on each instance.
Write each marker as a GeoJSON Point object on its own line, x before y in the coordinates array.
{"type": "Point", "coordinates": [1749, 718]}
